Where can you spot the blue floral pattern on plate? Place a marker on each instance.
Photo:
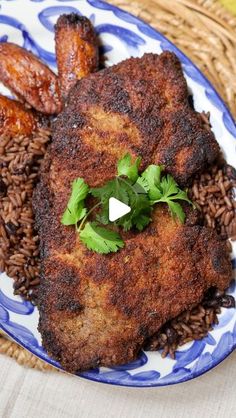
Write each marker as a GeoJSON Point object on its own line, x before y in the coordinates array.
{"type": "Point", "coordinates": [122, 36]}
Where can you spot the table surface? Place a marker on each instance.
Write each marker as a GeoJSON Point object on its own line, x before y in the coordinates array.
{"type": "Point", "coordinates": [26, 393]}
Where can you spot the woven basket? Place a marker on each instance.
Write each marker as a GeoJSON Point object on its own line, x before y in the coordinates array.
{"type": "Point", "coordinates": [206, 32]}
{"type": "Point", "coordinates": [203, 29]}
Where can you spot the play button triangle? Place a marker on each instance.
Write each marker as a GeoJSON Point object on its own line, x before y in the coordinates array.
{"type": "Point", "coordinates": [117, 209]}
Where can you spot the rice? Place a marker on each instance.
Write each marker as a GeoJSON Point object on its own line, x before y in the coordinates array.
{"type": "Point", "coordinates": [190, 325]}
{"type": "Point", "coordinates": [213, 192]}
{"type": "Point", "coordinates": [20, 160]}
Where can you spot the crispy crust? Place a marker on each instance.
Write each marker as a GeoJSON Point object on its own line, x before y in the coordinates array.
{"type": "Point", "coordinates": [96, 309]}
{"type": "Point", "coordinates": [140, 106]}
{"type": "Point", "coordinates": [76, 50]}
{"type": "Point", "coordinates": [29, 78]}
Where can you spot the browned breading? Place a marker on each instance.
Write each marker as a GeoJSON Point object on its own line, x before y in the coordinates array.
{"type": "Point", "coordinates": [29, 78]}
{"type": "Point", "coordinates": [15, 119]}
{"type": "Point", "coordinates": [140, 106]}
{"type": "Point", "coordinates": [76, 50]}
{"type": "Point", "coordinates": [98, 309]}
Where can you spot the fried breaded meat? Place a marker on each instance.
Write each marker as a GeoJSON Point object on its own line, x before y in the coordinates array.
{"type": "Point", "coordinates": [139, 106]}
{"type": "Point", "coordinates": [99, 309]}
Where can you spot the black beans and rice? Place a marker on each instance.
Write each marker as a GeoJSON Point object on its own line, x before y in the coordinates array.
{"type": "Point", "coordinates": [20, 160]}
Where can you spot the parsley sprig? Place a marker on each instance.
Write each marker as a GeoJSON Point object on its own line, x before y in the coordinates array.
{"type": "Point", "coordinates": [76, 210]}
{"type": "Point", "coordinates": [140, 191]}
{"type": "Point", "coordinates": [164, 190]}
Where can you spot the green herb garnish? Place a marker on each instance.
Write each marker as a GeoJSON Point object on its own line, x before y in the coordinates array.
{"type": "Point", "coordinates": [76, 210]}
{"type": "Point", "coordinates": [165, 190]}
{"type": "Point", "coordinates": [131, 194]}
{"type": "Point", "coordinates": [140, 192]}
{"type": "Point", "coordinates": [99, 239]}
{"type": "Point", "coordinates": [126, 168]}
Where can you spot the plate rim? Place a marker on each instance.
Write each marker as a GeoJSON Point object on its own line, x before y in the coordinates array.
{"type": "Point", "coordinates": [151, 385]}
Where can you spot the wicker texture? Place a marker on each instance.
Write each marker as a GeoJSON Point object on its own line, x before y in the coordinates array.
{"type": "Point", "coordinates": [202, 29]}
{"type": "Point", "coordinates": [23, 357]}
{"type": "Point", "coordinates": [206, 32]}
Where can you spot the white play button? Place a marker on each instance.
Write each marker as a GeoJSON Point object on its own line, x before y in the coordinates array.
{"type": "Point", "coordinates": [117, 209]}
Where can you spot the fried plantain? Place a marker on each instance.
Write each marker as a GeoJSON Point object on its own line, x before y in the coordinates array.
{"type": "Point", "coordinates": [76, 50]}
{"type": "Point", "coordinates": [29, 78]}
{"type": "Point", "coordinates": [15, 119]}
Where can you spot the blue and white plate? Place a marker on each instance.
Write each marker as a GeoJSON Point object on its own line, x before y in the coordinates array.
{"type": "Point", "coordinates": [30, 23]}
